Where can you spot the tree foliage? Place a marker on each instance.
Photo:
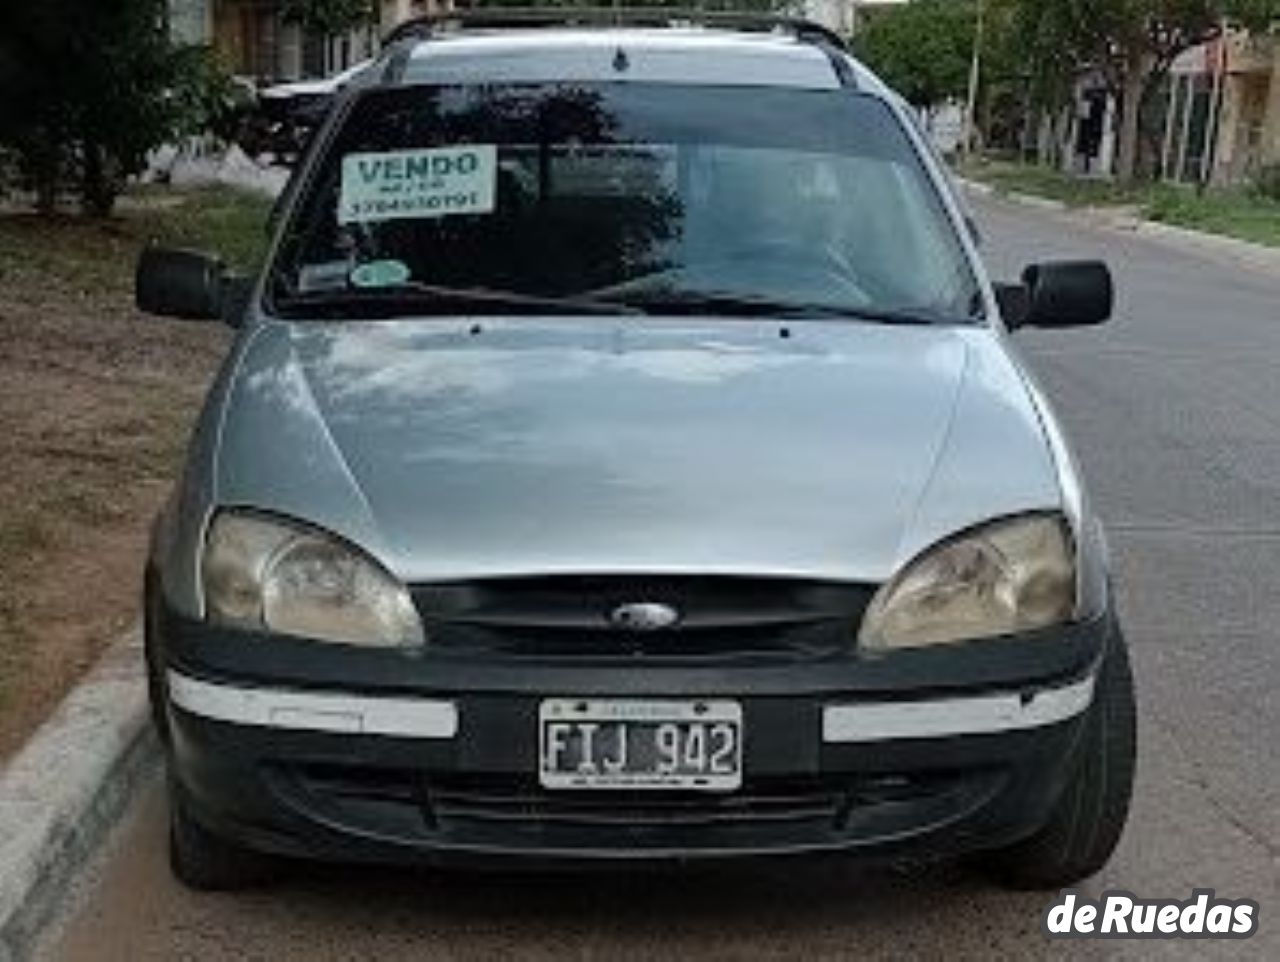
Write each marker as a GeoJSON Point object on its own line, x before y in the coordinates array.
{"type": "Point", "coordinates": [921, 49]}
{"type": "Point", "coordinates": [328, 17]}
{"type": "Point", "coordinates": [1130, 43]}
{"type": "Point", "coordinates": [90, 87]}
{"type": "Point", "coordinates": [750, 6]}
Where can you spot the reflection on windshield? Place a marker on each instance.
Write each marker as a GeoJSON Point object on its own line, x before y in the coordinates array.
{"type": "Point", "coordinates": [583, 197]}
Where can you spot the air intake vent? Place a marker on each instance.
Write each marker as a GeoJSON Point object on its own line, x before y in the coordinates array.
{"type": "Point", "coordinates": [701, 616]}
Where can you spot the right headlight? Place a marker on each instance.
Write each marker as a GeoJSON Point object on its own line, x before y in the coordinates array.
{"type": "Point", "coordinates": [1016, 574]}
{"type": "Point", "coordinates": [264, 573]}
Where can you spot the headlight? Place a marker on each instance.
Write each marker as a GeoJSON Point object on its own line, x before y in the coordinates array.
{"type": "Point", "coordinates": [261, 573]}
{"type": "Point", "coordinates": [1009, 576]}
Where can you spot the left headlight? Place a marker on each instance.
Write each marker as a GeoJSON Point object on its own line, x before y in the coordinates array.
{"type": "Point", "coordinates": [268, 573]}
{"type": "Point", "coordinates": [1013, 575]}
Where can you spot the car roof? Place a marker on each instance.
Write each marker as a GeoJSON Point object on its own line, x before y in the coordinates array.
{"type": "Point", "coordinates": [683, 55]}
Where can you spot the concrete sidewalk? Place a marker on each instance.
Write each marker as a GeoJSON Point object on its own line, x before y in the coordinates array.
{"type": "Point", "coordinates": [63, 792]}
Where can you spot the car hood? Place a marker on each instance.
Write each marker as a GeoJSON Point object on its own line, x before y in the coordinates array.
{"type": "Point", "coordinates": [456, 449]}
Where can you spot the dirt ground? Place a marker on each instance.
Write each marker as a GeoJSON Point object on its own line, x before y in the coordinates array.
{"type": "Point", "coordinates": [96, 402]}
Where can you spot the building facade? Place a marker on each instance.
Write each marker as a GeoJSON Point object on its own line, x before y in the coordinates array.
{"type": "Point", "coordinates": [254, 39]}
{"type": "Point", "coordinates": [1222, 111]}
{"type": "Point", "coordinates": [1216, 121]}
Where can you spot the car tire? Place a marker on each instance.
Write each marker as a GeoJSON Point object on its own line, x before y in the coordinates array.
{"type": "Point", "coordinates": [1089, 817]}
{"type": "Point", "coordinates": [206, 862]}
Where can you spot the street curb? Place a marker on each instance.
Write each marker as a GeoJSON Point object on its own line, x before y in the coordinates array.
{"type": "Point", "coordinates": [1256, 255]}
{"type": "Point", "coordinates": [63, 792]}
{"type": "Point", "coordinates": [973, 186]}
{"type": "Point", "coordinates": [1027, 200]}
{"type": "Point", "coordinates": [1233, 249]}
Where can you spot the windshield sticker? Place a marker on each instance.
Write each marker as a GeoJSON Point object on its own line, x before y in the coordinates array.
{"type": "Point", "coordinates": [413, 184]}
{"type": "Point", "coordinates": [380, 274]}
{"type": "Point", "coordinates": [329, 276]}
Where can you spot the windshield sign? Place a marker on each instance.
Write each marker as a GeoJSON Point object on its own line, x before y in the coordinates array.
{"type": "Point", "coordinates": [417, 183]}
{"type": "Point", "coordinates": [622, 198]}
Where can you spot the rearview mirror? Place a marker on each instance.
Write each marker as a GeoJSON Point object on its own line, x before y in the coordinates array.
{"type": "Point", "coordinates": [185, 284]}
{"type": "Point", "coordinates": [1060, 294]}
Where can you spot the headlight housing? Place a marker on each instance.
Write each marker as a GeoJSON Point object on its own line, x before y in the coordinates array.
{"type": "Point", "coordinates": [264, 573]}
{"type": "Point", "coordinates": [1013, 575]}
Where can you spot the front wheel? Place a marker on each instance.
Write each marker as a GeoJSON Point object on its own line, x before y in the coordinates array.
{"type": "Point", "coordinates": [206, 862]}
{"type": "Point", "coordinates": [1088, 819]}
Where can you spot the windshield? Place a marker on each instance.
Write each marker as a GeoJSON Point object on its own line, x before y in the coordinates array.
{"type": "Point", "coordinates": [616, 197]}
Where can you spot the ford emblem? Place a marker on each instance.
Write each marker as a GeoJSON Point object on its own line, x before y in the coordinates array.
{"type": "Point", "coordinates": [643, 616]}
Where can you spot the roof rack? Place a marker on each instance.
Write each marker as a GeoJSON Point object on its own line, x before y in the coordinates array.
{"type": "Point", "coordinates": [516, 18]}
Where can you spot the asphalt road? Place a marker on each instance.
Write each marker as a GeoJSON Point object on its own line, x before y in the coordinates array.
{"type": "Point", "coordinates": [1175, 412]}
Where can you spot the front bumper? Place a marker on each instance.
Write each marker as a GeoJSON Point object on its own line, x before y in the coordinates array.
{"type": "Point", "coordinates": [904, 756]}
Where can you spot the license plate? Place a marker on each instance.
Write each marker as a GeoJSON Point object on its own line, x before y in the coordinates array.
{"type": "Point", "coordinates": [608, 744]}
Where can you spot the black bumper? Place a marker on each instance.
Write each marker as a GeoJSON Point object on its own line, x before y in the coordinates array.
{"type": "Point", "coordinates": [476, 797]}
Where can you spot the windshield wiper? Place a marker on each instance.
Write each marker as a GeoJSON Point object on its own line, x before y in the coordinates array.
{"type": "Point", "coordinates": [749, 305]}
{"type": "Point", "coordinates": [393, 301]}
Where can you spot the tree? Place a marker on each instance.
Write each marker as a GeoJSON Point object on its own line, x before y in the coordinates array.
{"type": "Point", "coordinates": [1029, 70]}
{"type": "Point", "coordinates": [91, 86]}
{"type": "Point", "coordinates": [756, 6]}
{"type": "Point", "coordinates": [328, 17]}
{"type": "Point", "coordinates": [921, 49]}
{"type": "Point", "coordinates": [1133, 44]}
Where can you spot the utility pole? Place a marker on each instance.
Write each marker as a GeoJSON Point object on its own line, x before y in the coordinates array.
{"type": "Point", "coordinates": [975, 76]}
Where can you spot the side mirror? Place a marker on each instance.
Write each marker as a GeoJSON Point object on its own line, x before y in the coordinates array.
{"type": "Point", "coordinates": [186, 284]}
{"type": "Point", "coordinates": [1061, 294]}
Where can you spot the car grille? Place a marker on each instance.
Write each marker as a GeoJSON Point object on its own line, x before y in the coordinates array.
{"type": "Point", "coordinates": [465, 800]}
{"type": "Point", "coordinates": [568, 616]}
{"type": "Point", "coordinates": [469, 806]}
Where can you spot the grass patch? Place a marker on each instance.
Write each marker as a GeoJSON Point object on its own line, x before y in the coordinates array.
{"type": "Point", "coordinates": [1231, 213]}
{"type": "Point", "coordinates": [218, 220]}
{"type": "Point", "coordinates": [98, 255]}
{"type": "Point", "coordinates": [1013, 178]}
{"type": "Point", "coordinates": [1238, 213]}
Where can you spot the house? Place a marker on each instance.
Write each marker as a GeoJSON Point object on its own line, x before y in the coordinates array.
{"type": "Point", "coordinates": [1215, 121]}
{"type": "Point", "coordinates": [255, 40]}
{"type": "Point", "coordinates": [1221, 121]}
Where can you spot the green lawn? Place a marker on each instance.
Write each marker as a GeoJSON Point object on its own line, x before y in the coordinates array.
{"type": "Point", "coordinates": [1234, 213]}
{"type": "Point", "coordinates": [97, 256]}
{"type": "Point", "coordinates": [221, 220]}
{"type": "Point", "coordinates": [1237, 213]}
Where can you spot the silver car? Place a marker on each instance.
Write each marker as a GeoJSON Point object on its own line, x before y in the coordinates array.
{"type": "Point", "coordinates": [622, 457]}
